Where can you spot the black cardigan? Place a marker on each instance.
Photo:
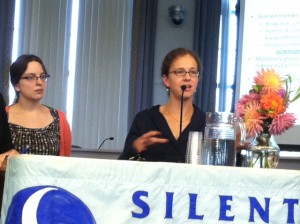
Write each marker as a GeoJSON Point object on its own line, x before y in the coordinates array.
{"type": "Point", "coordinates": [5, 137]}
{"type": "Point", "coordinates": [150, 120]}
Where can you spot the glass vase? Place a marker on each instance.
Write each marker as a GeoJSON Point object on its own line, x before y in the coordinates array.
{"type": "Point", "coordinates": [262, 152]}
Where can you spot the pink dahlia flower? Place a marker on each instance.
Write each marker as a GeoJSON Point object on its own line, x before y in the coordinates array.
{"type": "Point", "coordinates": [282, 123]}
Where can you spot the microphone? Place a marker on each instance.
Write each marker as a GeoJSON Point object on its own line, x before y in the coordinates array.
{"type": "Point", "coordinates": [183, 88]}
{"type": "Point", "coordinates": [110, 138]}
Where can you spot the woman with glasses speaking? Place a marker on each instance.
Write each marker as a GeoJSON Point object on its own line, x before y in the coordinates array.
{"type": "Point", "coordinates": [35, 128]}
{"type": "Point", "coordinates": [161, 132]}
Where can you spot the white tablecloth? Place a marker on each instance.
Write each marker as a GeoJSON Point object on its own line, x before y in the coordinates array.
{"type": "Point", "coordinates": [46, 189]}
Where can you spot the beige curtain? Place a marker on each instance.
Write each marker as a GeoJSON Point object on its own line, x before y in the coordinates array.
{"type": "Point", "coordinates": [102, 73]}
{"type": "Point", "coordinates": [102, 64]}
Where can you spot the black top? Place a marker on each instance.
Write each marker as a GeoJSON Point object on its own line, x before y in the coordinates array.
{"type": "Point", "coordinates": [5, 137]}
{"type": "Point", "coordinates": [151, 120]}
{"type": "Point", "coordinates": [38, 141]}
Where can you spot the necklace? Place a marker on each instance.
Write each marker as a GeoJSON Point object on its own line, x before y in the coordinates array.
{"type": "Point", "coordinates": [167, 112]}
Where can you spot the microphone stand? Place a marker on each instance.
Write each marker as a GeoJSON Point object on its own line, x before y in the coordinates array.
{"type": "Point", "coordinates": [110, 138]}
{"type": "Point", "coordinates": [183, 88]}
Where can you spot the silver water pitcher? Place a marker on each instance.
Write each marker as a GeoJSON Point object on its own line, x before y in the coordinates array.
{"type": "Point", "coordinates": [220, 138]}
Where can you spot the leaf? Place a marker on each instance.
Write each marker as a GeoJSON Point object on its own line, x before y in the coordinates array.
{"type": "Point", "coordinates": [288, 83]}
{"type": "Point", "coordinates": [297, 95]}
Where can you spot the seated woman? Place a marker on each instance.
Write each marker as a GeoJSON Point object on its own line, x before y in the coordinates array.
{"type": "Point", "coordinates": [6, 146]}
{"type": "Point", "coordinates": [35, 128]}
{"type": "Point", "coordinates": [155, 134]}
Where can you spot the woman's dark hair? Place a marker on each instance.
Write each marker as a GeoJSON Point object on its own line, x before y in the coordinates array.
{"type": "Point", "coordinates": [173, 55]}
{"type": "Point", "coordinates": [18, 68]}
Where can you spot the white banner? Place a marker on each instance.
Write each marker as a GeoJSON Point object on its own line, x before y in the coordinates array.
{"type": "Point", "coordinates": [46, 189]}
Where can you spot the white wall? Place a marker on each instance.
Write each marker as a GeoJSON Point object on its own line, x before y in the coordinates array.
{"type": "Point", "coordinates": [169, 37]}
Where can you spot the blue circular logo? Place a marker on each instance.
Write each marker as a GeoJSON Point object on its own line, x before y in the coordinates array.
{"type": "Point", "coordinates": [47, 204]}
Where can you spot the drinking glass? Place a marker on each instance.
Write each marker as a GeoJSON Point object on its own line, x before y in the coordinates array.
{"type": "Point", "coordinates": [194, 148]}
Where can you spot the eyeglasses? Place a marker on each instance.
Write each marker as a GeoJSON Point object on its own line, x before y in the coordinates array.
{"type": "Point", "coordinates": [33, 77]}
{"type": "Point", "coordinates": [182, 72]}
{"type": "Point", "coordinates": [137, 157]}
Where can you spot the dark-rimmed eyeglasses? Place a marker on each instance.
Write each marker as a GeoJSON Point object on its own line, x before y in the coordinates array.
{"type": "Point", "coordinates": [34, 77]}
{"type": "Point", "coordinates": [137, 157]}
{"type": "Point", "coordinates": [182, 72]}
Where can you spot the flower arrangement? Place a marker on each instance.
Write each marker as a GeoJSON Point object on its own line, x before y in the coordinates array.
{"type": "Point", "coordinates": [264, 109]}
